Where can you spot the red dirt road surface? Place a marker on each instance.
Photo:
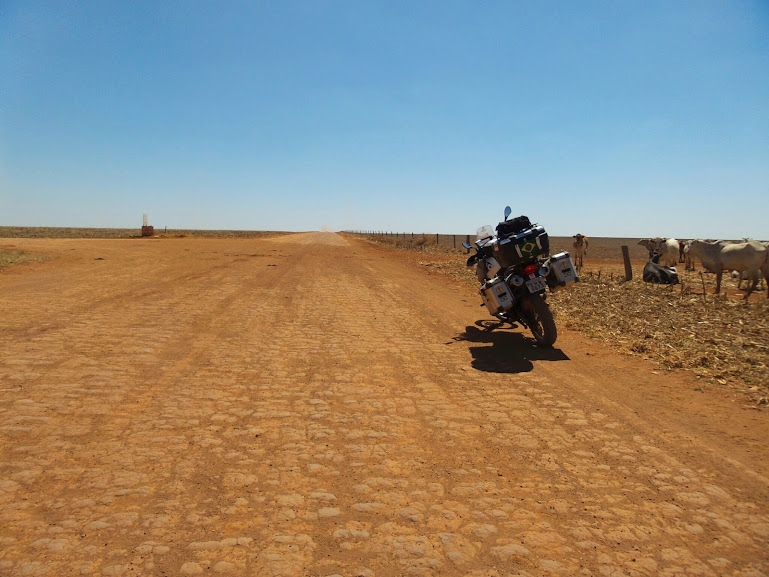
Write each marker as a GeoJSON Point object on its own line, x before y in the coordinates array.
{"type": "Point", "coordinates": [311, 405]}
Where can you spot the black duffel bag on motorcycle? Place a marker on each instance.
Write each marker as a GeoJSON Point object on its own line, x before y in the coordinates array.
{"type": "Point", "coordinates": [513, 226]}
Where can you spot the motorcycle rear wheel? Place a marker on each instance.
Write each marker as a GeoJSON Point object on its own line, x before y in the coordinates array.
{"type": "Point", "coordinates": [539, 317]}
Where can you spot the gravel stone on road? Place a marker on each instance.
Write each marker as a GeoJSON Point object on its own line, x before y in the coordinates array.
{"type": "Point", "coordinates": [312, 405]}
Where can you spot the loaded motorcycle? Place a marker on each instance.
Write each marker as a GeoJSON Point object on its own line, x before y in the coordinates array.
{"type": "Point", "coordinates": [515, 270]}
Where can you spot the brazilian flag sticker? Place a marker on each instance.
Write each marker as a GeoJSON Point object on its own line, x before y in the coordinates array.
{"type": "Point", "coordinates": [529, 248]}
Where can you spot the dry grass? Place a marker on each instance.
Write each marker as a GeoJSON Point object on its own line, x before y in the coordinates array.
{"type": "Point", "coordinates": [600, 247]}
{"type": "Point", "coordinates": [722, 339]}
{"type": "Point", "coordinates": [13, 257]}
{"type": "Point", "coordinates": [53, 232]}
{"type": "Point", "coordinates": [9, 256]}
{"type": "Point", "coordinates": [217, 233]}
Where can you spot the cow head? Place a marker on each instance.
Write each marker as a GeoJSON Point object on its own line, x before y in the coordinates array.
{"type": "Point", "coordinates": [648, 244]}
{"type": "Point", "coordinates": [695, 246]}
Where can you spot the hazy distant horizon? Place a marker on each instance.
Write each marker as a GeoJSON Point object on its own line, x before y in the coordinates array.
{"type": "Point", "coordinates": [158, 230]}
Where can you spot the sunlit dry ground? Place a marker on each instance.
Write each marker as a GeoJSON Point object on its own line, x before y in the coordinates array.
{"type": "Point", "coordinates": [315, 405]}
{"type": "Point", "coordinates": [722, 339]}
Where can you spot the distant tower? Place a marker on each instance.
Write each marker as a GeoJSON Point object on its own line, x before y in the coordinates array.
{"type": "Point", "coordinates": [147, 230]}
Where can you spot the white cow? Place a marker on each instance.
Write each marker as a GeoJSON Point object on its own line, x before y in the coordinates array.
{"type": "Point", "coordinates": [740, 276]}
{"type": "Point", "coordinates": [765, 267]}
{"type": "Point", "coordinates": [749, 257]}
{"type": "Point", "coordinates": [688, 257]}
{"type": "Point", "coordinates": [667, 248]}
{"type": "Point", "coordinates": [706, 262]}
{"type": "Point", "coordinates": [744, 275]}
{"type": "Point", "coordinates": [580, 248]}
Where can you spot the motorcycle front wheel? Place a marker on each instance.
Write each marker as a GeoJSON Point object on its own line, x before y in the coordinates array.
{"type": "Point", "coordinates": [539, 317]}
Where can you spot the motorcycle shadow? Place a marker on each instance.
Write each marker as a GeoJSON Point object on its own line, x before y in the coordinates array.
{"type": "Point", "coordinates": [510, 352]}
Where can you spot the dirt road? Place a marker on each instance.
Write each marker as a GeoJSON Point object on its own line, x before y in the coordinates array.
{"type": "Point", "coordinates": [309, 405]}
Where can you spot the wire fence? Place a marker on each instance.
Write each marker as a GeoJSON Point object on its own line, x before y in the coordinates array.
{"type": "Point", "coordinates": [605, 248]}
{"type": "Point", "coordinates": [417, 240]}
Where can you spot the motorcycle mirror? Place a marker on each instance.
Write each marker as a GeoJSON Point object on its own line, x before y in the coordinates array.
{"type": "Point", "coordinates": [467, 246]}
{"type": "Point", "coordinates": [508, 210]}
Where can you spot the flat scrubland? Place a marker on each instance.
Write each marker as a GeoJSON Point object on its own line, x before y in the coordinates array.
{"type": "Point", "coordinates": [722, 339]}
{"type": "Point", "coordinates": [64, 232]}
{"type": "Point", "coordinates": [9, 255]}
{"type": "Point", "coordinates": [600, 247]}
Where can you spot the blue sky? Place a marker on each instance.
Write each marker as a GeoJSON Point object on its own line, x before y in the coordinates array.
{"type": "Point", "coordinates": [611, 118]}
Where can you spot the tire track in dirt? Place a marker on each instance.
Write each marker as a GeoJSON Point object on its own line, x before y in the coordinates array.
{"type": "Point", "coordinates": [324, 417]}
{"type": "Point", "coordinates": [149, 274]}
{"type": "Point", "coordinates": [566, 444]}
{"type": "Point", "coordinates": [135, 336]}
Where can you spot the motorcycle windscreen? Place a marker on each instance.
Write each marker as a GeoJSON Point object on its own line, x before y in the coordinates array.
{"type": "Point", "coordinates": [484, 232]}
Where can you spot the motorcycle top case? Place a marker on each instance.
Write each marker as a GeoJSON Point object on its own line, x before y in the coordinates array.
{"type": "Point", "coordinates": [562, 271]}
{"type": "Point", "coordinates": [524, 246]}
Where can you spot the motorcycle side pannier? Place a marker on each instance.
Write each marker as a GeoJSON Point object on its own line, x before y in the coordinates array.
{"type": "Point", "coordinates": [496, 296]}
{"type": "Point", "coordinates": [522, 247]}
{"type": "Point", "coordinates": [562, 271]}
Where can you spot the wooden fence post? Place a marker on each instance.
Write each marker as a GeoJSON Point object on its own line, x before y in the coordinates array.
{"type": "Point", "coordinates": [626, 258]}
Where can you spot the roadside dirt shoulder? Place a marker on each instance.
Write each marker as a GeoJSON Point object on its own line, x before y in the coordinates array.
{"type": "Point", "coordinates": [676, 402]}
